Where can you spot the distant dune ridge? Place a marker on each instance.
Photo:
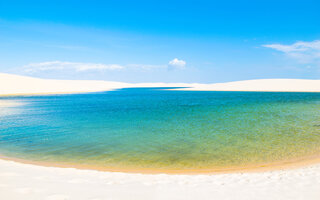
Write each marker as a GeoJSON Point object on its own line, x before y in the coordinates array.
{"type": "Point", "coordinates": [280, 85]}
{"type": "Point", "coordinates": [15, 84]}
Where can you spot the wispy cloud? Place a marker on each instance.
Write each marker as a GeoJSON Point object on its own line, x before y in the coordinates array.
{"type": "Point", "coordinates": [76, 66]}
{"type": "Point", "coordinates": [62, 66]}
{"type": "Point", "coordinates": [303, 52]}
{"type": "Point", "coordinates": [177, 64]}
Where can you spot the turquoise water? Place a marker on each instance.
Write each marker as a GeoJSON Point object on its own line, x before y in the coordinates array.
{"type": "Point", "coordinates": [161, 130]}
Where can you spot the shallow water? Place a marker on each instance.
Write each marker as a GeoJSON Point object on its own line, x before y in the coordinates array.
{"type": "Point", "coordinates": [149, 128]}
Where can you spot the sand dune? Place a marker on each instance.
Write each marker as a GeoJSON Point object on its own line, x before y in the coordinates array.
{"type": "Point", "coordinates": [17, 85]}
{"type": "Point", "coordinates": [280, 85]}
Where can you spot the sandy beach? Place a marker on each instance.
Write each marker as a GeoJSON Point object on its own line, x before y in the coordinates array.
{"type": "Point", "coordinates": [27, 181]}
{"type": "Point", "coordinates": [30, 182]}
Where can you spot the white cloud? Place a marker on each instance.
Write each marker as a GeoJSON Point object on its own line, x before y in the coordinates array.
{"type": "Point", "coordinates": [70, 67]}
{"type": "Point", "coordinates": [303, 52]}
{"type": "Point", "coordinates": [177, 64]}
{"type": "Point", "coordinates": [59, 65]}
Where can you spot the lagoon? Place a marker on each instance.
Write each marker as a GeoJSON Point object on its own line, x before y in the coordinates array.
{"type": "Point", "coordinates": [159, 130]}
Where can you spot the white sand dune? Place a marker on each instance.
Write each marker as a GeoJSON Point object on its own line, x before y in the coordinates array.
{"type": "Point", "coordinates": [30, 182]}
{"type": "Point", "coordinates": [268, 85]}
{"type": "Point", "coordinates": [22, 85]}
{"type": "Point", "coordinates": [15, 85]}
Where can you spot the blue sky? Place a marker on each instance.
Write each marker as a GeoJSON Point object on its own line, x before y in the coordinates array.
{"type": "Point", "coordinates": [161, 41]}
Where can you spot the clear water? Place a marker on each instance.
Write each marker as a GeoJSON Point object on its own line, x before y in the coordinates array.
{"type": "Point", "coordinates": [160, 129]}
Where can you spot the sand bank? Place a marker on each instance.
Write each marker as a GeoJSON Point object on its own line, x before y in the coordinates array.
{"type": "Point", "coordinates": [20, 85]}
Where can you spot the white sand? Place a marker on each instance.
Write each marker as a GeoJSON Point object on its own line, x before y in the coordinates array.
{"type": "Point", "coordinates": [15, 85]}
{"type": "Point", "coordinates": [30, 182]}
{"type": "Point", "coordinates": [19, 85]}
{"type": "Point", "coordinates": [269, 85]}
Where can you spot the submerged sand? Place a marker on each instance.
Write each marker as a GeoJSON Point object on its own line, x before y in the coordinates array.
{"type": "Point", "coordinates": [26, 181]}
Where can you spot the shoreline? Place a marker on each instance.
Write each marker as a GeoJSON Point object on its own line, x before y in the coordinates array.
{"type": "Point", "coordinates": [186, 89]}
{"type": "Point", "coordinates": [33, 182]}
{"type": "Point", "coordinates": [259, 168]}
